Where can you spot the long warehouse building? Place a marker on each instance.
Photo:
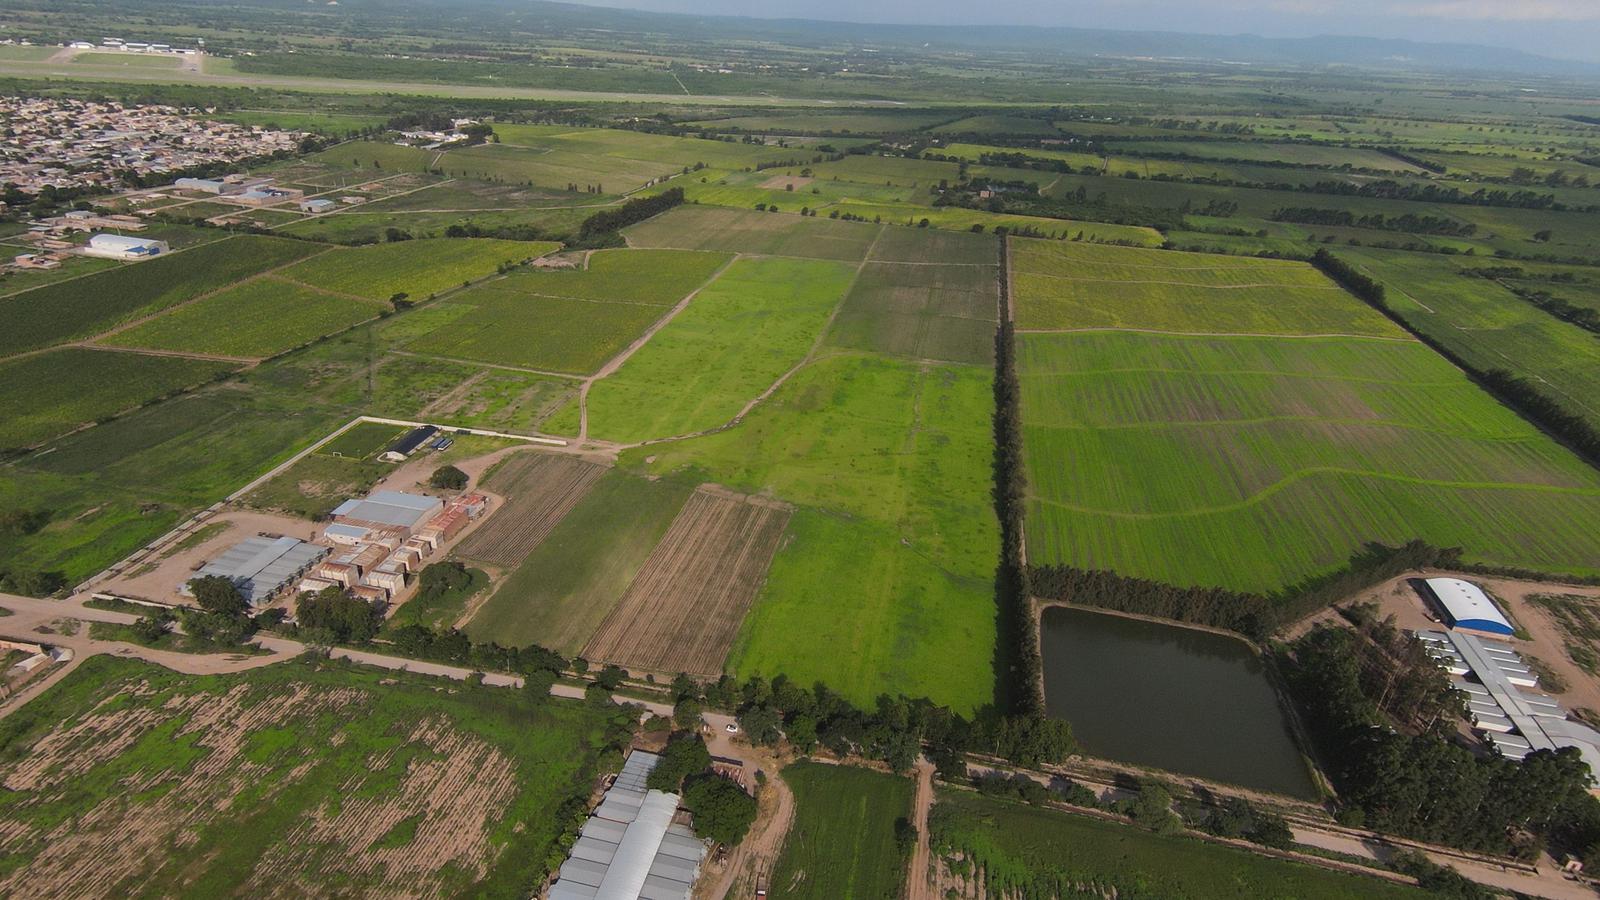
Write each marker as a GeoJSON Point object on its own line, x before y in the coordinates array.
{"type": "Point", "coordinates": [631, 849]}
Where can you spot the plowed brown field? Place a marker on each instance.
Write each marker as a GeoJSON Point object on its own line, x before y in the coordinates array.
{"type": "Point", "coordinates": [683, 609]}
{"type": "Point", "coordinates": [540, 489]}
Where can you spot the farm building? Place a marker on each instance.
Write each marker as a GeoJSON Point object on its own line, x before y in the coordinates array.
{"type": "Point", "coordinates": [203, 185]}
{"type": "Point", "coordinates": [119, 246]}
{"type": "Point", "coordinates": [318, 205]}
{"type": "Point", "coordinates": [388, 509]}
{"type": "Point", "coordinates": [267, 195]}
{"type": "Point", "coordinates": [1465, 605]}
{"type": "Point", "coordinates": [409, 442]}
{"type": "Point", "coordinates": [631, 848]}
{"type": "Point", "coordinates": [262, 566]}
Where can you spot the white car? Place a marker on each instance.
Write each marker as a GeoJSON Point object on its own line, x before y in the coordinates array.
{"type": "Point", "coordinates": [732, 727]}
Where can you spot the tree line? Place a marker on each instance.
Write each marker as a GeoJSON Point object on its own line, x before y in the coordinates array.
{"type": "Point", "coordinates": [1411, 223]}
{"type": "Point", "coordinates": [630, 213]}
{"type": "Point", "coordinates": [1518, 393]}
{"type": "Point", "coordinates": [1254, 615]}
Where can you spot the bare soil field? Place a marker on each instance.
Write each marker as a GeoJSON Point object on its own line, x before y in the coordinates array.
{"type": "Point", "coordinates": [540, 489]}
{"type": "Point", "coordinates": [684, 608]}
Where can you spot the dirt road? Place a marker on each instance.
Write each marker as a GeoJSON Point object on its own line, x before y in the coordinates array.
{"type": "Point", "coordinates": [920, 876]}
{"type": "Point", "coordinates": [774, 814]}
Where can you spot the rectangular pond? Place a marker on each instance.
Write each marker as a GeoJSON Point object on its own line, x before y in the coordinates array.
{"type": "Point", "coordinates": [1173, 698]}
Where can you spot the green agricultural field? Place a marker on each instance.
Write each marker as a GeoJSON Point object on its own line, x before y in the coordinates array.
{"type": "Point", "coordinates": [378, 157]}
{"type": "Point", "coordinates": [363, 225]}
{"type": "Point", "coordinates": [842, 844]}
{"type": "Point", "coordinates": [129, 60]}
{"type": "Point", "coordinates": [736, 338]}
{"type": "Point", "coordinates": [343, 775]}
{"type": "Point", "coordinates": [990, 124]}
{"type": "Point", "coordinates": [564, 320]}
{"type": "Point", "coordinates": [1064, 286]}
{"type": "Point", "coordinates": [750, 231]}
{"type": "Point", "coordinates": [502, 400]}
{"type": "Point", "coordinates": [1031, 852]}
{"type": "Point", "coordinates": [908, 245]}
{"type": "Point", "coordinates": [565, 588]}
{"type": "Point", "coordinates": [361, 441]}
{"type": "Point", "coordinates": [1253, 463]}
{"type": "Point", "coordinates": [956, 218]}
{"type": "Point", "coordinates": [922, 311]}
{"type": "Point", "coordinates": [15, 281]}
{"type": "Point", "coordinates": [1488, 326]}
{"type": "Point", "coordinates": [95, 303]}
{"type": "Point", "coordinates": [417, 268]}
{"type": "Point", "coordinates": [885, 580]}
{"type": "Point", "coordinates": [256, 319]}
{"type": "Point", "coordinates": [45, 395]}
{"type": "Point", "coordinates": [1260, 151]}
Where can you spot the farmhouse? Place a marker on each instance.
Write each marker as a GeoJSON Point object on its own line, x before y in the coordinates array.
{"type": "Point", "coordinates": [1466, 606]}
{"type": "Point", "coordinates": [261, 566]}
{"type": "Point", "coordinates": [318, 205]}
{"type": "Point", "coordinates": [118, 246]}
{"type": "Point", "coordinates": [632, 847]}
{"type": "Point", "coordinates": [408, 443]}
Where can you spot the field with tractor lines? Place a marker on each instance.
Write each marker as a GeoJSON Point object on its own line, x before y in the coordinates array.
{"type": "Point", "coordinates": [540, 489]}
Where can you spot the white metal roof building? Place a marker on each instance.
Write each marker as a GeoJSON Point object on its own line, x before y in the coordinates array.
{"type": "Point", "coordinates": [261, 566]}
{"type": "Point", "coordinates": [1467, 606]}
{"type": "Point", "coordinates": [393, 508]}
{"type": "Point", "coordinates": [630, 849]}
{"type": "Point", "coordinates": [121, 246]}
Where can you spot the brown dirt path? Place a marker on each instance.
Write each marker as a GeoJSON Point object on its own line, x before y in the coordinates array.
{"type": "Point", "coordinates": [920, 878]}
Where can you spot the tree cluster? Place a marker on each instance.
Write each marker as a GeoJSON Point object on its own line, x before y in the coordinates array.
{"type": "Point", "coordinates": [629, 213]}
{"type": "Point", "coordinates": [337, 617]}
{"type": "Point", "coordinates": [1423, 785]}
{"type": "Point", "coordinates": [1410, 223]}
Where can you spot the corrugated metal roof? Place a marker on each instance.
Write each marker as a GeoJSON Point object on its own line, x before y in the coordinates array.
{"type": "Point", "coordinates": [261, 565]}
{"type": "Point", "coordinates": [1468, 606]}
{"type": "Point", "coordinates": [631, 849]}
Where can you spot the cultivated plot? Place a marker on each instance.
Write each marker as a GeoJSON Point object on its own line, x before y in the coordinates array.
{"type": "Point", "coordinates": [417, 269]}
{"type": "Point", "coordinates": [750, 231]}
{"type": "Point", "coordinates": [374, 781]}
{"type": "Point", "coordinates": [561, 592]}
{"type": "Point", "coordinates": [922, 311]}
{"type": "Point", "coordinates": [685, 606]}
{"type": "Point", "coordinates": [1255, 462]}
{"type": "Point", "coordinates": [842, 844]}
{"type": "Point", "coordinates": [1062, 286]}
{"type": "Point", "coordinates": [255, 319]}
{"type": "Point", "coordinates": [540, 489]}
{"type": "Point", "coordinates": [735, 340]}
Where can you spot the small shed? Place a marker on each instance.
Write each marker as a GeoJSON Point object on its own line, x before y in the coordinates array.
{"type": "Point", "coordinates": [408, 443]}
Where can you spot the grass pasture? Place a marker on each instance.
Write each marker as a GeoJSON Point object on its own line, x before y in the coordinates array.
{"type": "Point", "coordinates": [417, 268]}
{"type": "Point", "coordinates": [85, 306]}
{"type": "Point", "coordinates": [750, 231]}
{"type": "Point", "coordinates": [566, 320]}
{"type": "Point", "coordinates": [256, 319]}
{"type": "Point", "coordinates": [734, 340]}
{"type": "Point", "coordinates": [340, 775]}
{"type": "Point", "coordinates": [1062, 286]}
{"type": "Point", "coordinates": [842, 843]}
{"type": "Point", "coordinates": [1030, 852]}
{"type": "Point", "coordinates": [362, 440]}
{"type": "Point", "coordinates": [51, 393]}
{"type": "Point", "coordinates": [312, 487]}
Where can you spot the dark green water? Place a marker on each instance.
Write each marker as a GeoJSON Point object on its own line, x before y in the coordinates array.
{"type": "Point", "coordinates": [1174, 698]}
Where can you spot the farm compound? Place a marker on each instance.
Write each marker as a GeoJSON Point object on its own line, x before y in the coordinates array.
{"type": "Point", "coordinates": [262, 566]}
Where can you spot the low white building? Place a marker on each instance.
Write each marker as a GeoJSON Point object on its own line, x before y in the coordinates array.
{"type": "Point", "coordinates": [121, 246]}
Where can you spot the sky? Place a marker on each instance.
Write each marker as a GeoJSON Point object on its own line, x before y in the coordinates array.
{"type": "Point", "coordinates": [1567, 29]}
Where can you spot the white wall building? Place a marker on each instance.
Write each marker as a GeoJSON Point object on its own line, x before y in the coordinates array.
{"type": "Point", "coordinates": [121, 246]}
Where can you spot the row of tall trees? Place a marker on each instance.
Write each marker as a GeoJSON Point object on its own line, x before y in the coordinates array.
{"type": "Point", "coordinates": [1410, 223]}
{"type": "Point", "coordinates": [629, 213]}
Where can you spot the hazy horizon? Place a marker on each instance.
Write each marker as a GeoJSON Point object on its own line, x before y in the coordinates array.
{"type": "Point", "coordinates": [1565, 29]}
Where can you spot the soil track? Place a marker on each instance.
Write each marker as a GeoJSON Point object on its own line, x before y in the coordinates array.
{"type": "Point", "coordinates": [683, 609]}
{"type": "Point", "coordinates": [540, 489]}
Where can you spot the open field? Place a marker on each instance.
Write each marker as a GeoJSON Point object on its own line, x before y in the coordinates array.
{"type": "Point", "coordinates": [95, 303]}
{"type": "Point", "coordinates": [45, 395]}
{"type": "Point", "coordinates": [686, 604]}
{"type": "Point", "coordinates": [375, 781]}
{"type": "Point", "coordinates": [258, 318]}
{"type": "Point", "coordinates": [958, 218]}
{"type": "Point", "coordinates": [132, 60]}
{"type": "Point", "coordinates": [540, 489]}
{"type": "Point", "coordinates": [363, 441]}
{"type": "Point", "coordinates": [749, 231]}
{"type": "Point", "coordinates": [1063, 286]}
{"type": "Point", "coordinates": [738, 336]}
{"type": "Point", "coordinates": [842, 843]}
{"type": "Point", "coordinates": [517, 402]}
{"type": "Point", "coordinates": [418, 268]}
{"type": "Point", "coordinates": [572, 580]}
{"type": "Point", "coordinates": [1488, 326]}
{"type": "Point", "coordinates": [884, 582]}
{"type": "Point", "coordinates": [312, 487]}
{"type": "Point", "coordinates": [1256, 462]}
{"type": "Point", "coordinates": [1032, 852]}
{"type": "Point", "coordinates": [936, 312]}
{"type": "Point", "coordinates": [565, 320]}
